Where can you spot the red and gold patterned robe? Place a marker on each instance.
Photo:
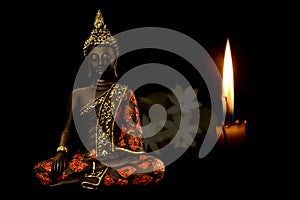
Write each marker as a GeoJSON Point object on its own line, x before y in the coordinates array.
{"type": "Point", "coordinates": [112, 149]}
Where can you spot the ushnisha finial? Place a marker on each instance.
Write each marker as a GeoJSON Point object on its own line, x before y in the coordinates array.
{"type": "Point", "coordinates": [99, 20]}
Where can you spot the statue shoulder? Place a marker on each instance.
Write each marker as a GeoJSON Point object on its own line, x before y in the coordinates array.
{"type": "Point", "coordinates": [80, 91]}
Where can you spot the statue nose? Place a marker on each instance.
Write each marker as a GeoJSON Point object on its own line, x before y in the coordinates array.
{"type": "Point", "coordinates": [100, 62]}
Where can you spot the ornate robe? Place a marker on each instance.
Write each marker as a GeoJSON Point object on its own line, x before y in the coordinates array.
{"type": "Point", "coordinates": [112, 146]}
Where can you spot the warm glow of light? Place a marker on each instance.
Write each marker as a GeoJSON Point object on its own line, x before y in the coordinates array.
{"type": "Point", "coordinates": [228, 84]}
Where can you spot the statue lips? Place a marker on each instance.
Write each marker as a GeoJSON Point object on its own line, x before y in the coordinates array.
{"type": "Point", "coordinates": [100, 70]}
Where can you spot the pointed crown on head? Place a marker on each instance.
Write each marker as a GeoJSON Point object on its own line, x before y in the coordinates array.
{"type": "Point", "coordinates": [100, 35]}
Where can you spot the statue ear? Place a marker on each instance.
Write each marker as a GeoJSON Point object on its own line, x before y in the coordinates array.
{"type": "Point", "coordinates": [115, 68]}
{"type": "Point", "coordinates": [89, 70]}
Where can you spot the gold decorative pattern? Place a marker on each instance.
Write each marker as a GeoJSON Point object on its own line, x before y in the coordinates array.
{"type": "Point", "coordinates": [100, 35]}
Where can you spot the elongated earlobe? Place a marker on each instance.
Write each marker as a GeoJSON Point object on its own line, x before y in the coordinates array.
{"type": "Point", "coordinates": [115, 69]}
{"type": "Point", "coordinates": [89, 72]}
{"type": "Point", "coordinates": [89, 69]}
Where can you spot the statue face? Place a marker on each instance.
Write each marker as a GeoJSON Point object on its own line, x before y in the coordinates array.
{"type": "Point", "coordinates": [100, 58]}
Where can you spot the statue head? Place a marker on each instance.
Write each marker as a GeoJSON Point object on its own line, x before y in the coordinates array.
{"type": "Point", "coordinates": [101, 50]}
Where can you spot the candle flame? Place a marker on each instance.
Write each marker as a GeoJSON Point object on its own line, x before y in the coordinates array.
{"type": "Point", "coordinates": [228, 88]}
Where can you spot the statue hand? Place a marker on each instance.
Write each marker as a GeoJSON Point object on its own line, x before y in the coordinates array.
{"type": "Point", "coordinates": [59, 164]}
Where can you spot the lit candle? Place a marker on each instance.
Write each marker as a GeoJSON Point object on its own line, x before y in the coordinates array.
{"type": "Point", "coordinates": [233, 132]}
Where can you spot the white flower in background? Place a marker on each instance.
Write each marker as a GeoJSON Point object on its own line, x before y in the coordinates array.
{"type": "Point", "coordinates": [180, 129]}
{"type": "Point", "coordinates": [183, 134]}
{"type": "Point", "coordinates": [187, 100]}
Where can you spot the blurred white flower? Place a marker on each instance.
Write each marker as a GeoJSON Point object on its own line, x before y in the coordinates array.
{"type": "Point", "coordinates": [180, 126]}
{"type": "Point", "coordinates": [181, 130]}
{"type": "Point", "coordinates": [184, 100]}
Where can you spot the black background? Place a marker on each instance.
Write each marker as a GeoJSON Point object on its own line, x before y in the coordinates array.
{"type": "Point", "coordinates": [53, 33]}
